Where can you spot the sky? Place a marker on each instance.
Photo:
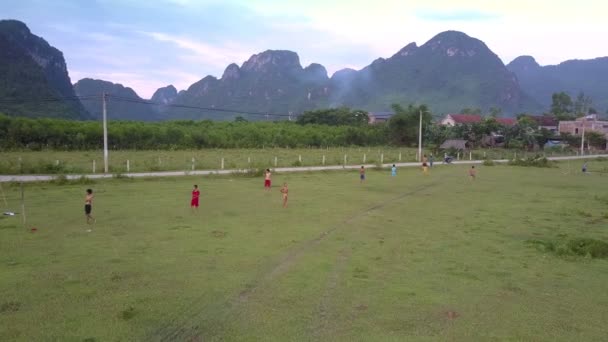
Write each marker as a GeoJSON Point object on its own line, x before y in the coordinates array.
{"type": "Point", "coordinates": [148, 44]}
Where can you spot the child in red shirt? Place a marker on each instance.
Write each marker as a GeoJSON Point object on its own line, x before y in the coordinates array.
{"type": "Point", "coordinates": [195, 195]}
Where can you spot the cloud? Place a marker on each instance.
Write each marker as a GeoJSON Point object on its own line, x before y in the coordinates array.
{"type": "Point", "coordinates": [459, 15]}
{"type": "Point", "coordinates": [217, 56]}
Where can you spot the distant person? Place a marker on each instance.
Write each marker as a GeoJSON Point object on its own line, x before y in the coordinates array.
{"type": "Point", "coordinates": [196, 194]}
{"type": "Point", "coordinates": [88, 206]}
{"type": "Point", "coordinates": [431, 160]}
{"type": "Point", "coordinates": [267, 182]}
{"type": "Point", "coordinates": [285, 193]}
{"type": "Point", "coordinates": [585, 167]}
{"type": "Point", "coordinates": [394, 170]}
{"type": "Point", "coordinates": [472, 172]}
{"type": "Point", "coordinates": [425, 166]}
{"type": "Point", "coordinates": [362, 174]}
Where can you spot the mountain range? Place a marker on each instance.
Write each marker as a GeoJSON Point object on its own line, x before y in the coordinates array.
{"type": "Point", "coordinates": [449, 72]}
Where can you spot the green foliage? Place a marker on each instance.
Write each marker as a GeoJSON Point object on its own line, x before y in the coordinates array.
{"type": "Point", "coordinates": [334, 117]}
{"type": "Point", "coordinates": [536, 161]}
{"type": "Point", "coordinates": [404, 125]}
{"type": "Point", "coordinates": [39, 134]}
{"type": "Point", "coordinates": [488, 162]}
{"type": "Point", "coordinates": [561, 104]}
{"type": "Point", "coordinates": [596, 139]}
{"type": "Point", "coordinates": [580, 247]}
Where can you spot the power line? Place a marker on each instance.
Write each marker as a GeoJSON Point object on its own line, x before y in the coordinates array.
{"type": "Point", "coordinates": [212, 109]}
{"type": "Point", "coordinates": [49, 99]}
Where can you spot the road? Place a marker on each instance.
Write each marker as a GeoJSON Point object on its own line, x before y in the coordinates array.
{"type": "Point", "coordinates": [45, 178]}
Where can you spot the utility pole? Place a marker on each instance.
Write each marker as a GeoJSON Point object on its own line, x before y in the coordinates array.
{"type": "Point", "coordinates": [583, 136]}
{"type": "Point", "coordinates": [420, 138]}
{"type": "Point", "coordinates": [105, 134]}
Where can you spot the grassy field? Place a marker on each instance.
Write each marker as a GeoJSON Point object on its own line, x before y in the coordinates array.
{"type": "Point", "coordinates": [411, 257]}
{"type": "Point", "coordinates": [57, 162]}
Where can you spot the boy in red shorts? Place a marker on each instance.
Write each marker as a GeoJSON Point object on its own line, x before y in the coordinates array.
{"type": "Point", "coordinates": [195, 196]}
{"type": "Point", "coordinates": [267, 182]}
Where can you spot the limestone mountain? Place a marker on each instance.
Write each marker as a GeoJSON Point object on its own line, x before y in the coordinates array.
{"type": "Point", "coordinates": [31, 72]}
{"type": "Point", "coordinates": [123, 107]}
{"type": "Point", "coordinates": [165, 95]}
{"type": "Point", "coordinates": [273, 81]}
{"type": "Point", "coordinates": [573, 76]}
{"type": "Point", "coordinates": [449, 72]}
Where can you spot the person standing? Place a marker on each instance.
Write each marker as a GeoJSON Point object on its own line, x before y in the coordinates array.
{"type": "Point", "coordinates": [425, 166]}
{"type": "Point", "coordinates": [431, 160]}
{"type": "Point", "coordinates": [285, 193]}
{"type": "Point", "coordinates": [472, 172]}
{"type": "Point", "coordinates": [362, 174]}
{"type": "Point", "coordinates": [196, 194]}
{"type": "Point", "coordinates": [88, 206]}
{"type": "Point", "coordinates": [584, 167]}
{"type": "Point", "coordinates": [394, 170]}
{"type": "Point", "coordinates": [267, 181]}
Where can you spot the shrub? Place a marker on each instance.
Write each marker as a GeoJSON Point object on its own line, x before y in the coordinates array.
{"type": "Point", "coordinates": [488, 162]}
{"type": "Point", "coordinates": [536, 161]}
{"type": "Point", "coordinates": [579, 247]}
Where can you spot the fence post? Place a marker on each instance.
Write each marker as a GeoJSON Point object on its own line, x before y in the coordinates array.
{"type": "Point", "coordinates": [382, 158]}
{"type": "Point", "coordinates": [128, 166]}
{"type": "Point", "coordinates": [323, 162]}
{"type": "Point", "coordinates": [364, 158]}
{"type": "Point", "coordinates": [458, 156]}
{"type": "Point", "coordinates": [470, 155]}
{"type": "Point", "coordinates": [93, 166]}
{"type": "Point", "coordinates": [248, 160]}
{"type": "Point", "coordinates": [275, 161]}
{"type": "Point", "coordinates": [399, 156]}
{"type": "Point", "coordinates": [57, 162]}
{"type": "Point", "coordinates": [192, 163]}
{"type": "Point", "coordinates": [159, 162]}
{"type": "Point", "coordinates": [222, 163]}
{"type": "Point", "coordinates": [300, 158]}
{"type": "Point", "coordinates": [345, 160]}
{"type": "Point", "coordinates": [484, 154]}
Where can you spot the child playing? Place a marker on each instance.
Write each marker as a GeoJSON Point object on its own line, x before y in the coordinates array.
{"type": "Point", "coordinates": [425, 167]}
{"type": "Point", "coordinates": [362, 174]}
{"type": "Point", "coordinates": [394, 170]}
{"type": "Point", "coordinates": [472, 172]}
{"type": "Point", "coordinates": [267, 182]}
{"type": "Point", "coordinates": [285, 192]}
{"type": "Point", "coordinates": [88, 203]}
{"type": "Point", "coordinates": [195, 196]}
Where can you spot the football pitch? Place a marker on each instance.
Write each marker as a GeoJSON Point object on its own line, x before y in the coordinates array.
{"type": "Point", "coordinates": [411, 257]}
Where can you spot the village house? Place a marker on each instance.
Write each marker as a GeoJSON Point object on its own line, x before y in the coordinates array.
{"type": "Point", "coordinates": [589, 122]}
{"type": "Point", "coordinates": [379, 117]}
{"type": "Point", "coordinates": [459, 119]}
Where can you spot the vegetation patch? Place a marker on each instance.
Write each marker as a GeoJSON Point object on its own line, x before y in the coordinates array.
{"type": "Point", "coordinates": [488, 162]}
{"type": "Point", "coordinates": [536, 161]}
{"type": "Point", "coordinates": [128, 313]}
{"type": "Point", "coordinates": [585, 247]}
{"type": "Point", "coordinates": [11, 306]}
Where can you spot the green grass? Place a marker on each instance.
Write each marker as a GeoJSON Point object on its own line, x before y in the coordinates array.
{"type": "Point", "coordinates": [439, 257]}
{"type": "Point", "coordinates": [61, 162]}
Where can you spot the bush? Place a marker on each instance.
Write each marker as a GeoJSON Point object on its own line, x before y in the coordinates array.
{"type": "Point", "coordinates": [579, 247]}
{"type": "Point", "coordinates": [537, 161]}
{"type": "Point", "coordinates": [488, 162]}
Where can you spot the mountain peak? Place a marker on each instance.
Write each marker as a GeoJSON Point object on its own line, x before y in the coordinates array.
{"type": "Point", "coordinates": [523, 63]}
{"type": "Point", "coordinates": [232, 72]}
{"type": "Point", "coordinates": [272, 59]}
{"type": "Point", "coordinates": [455, 43]}
{"type": "Point", "coordinates": [165, 95]}
{"type": "Point", "coordinates": [407, 50]}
